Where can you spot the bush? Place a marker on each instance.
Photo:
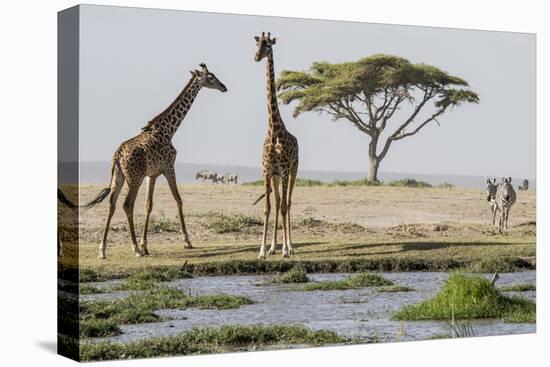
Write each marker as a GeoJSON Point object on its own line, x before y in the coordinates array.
{"type": "Point", "coordinates": [469, 297]}
{"type": "Point", "coordinates": [221, 223]}
{"type": "Point", "coordinates": [409, 182]}
{"type": "Point", "coordinates": [296, 275]}
{"type": "Point", "coordinates": [362, 280]}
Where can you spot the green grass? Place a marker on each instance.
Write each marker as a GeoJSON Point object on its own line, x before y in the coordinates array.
{"type": "Point", "coordinates": [90, 289]}
{"type": "Point", "coordinates": [394, 288]}
{"type": "Point", "coordinates": [148, 279]}
{"type": "Point", "coordinates": [494, 265]}
{"type": "Point", "coordinates": [307, 182]}
{"type": "Point", "coordinates": [356, 281]}
{"type": "Point", "coordinates": [162, 224]}
{"type": "Point", "coordinates": [359, 182]}
{"type": "Point", "coordinates": [211, 340]}
{"type": "Point", "coordinates": [140, 307]}
{"type": "Point", "coordinates": [469, 297]}
{"type": "Point", "coordinates": [518, 288]}
{"type": "Point", "coordinates": [446, 185]}
{"type": "Point", "coordinates": [276, 266]}
{"type": "Point", "coordinates": [295, 275]}
{"type": "Point", "coordinates": [99, 328]}
{"type": "Point", "coordinates": [222, 223]}
{"type": "Point", "coordinates": [409, 182]}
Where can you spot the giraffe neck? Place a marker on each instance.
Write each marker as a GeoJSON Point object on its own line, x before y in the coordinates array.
{"type": "Point", "coordinates": [275, 122]}
{"type": "Point", "coordinates": [168, 121]}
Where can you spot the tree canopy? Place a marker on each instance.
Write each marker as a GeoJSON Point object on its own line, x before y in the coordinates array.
{"type": "Point", "coordinates": [368, 92]}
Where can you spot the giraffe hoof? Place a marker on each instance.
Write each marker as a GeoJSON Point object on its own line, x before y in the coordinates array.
{"type": "Point", "coordinates": [291, 251]}
{"type": "Point", "coordinates": [102, 257]}
{"type": "Point", "coordinates": [285, 255]}
{"type": "Point", "coordinates": [261, 257]}
{"type": "Point", "coordinates": [139, 254]}
{"type": "Point", "coordinates": [271, 252]}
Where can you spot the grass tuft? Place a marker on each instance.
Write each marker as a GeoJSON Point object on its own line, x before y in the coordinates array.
{"type": "Point", "coordinates": [221, 223]}
{"type": "Point", "coordinates": [99, 328]}
{"type": "Point", "coordinates": [394, 288]}
{"type": "Point", "coordinates": [362, 280]}
{"type": "Point", "coordinates": [518, 288]}
{"type": "Point", "coordinates": [140, 307]}
{"type": "Point", "coordinates": [210, 340]}
{"type": "Point", "coordinates": [90, 289]}
{"type": "Point", "coordinates": [148, 279]}
{"type": "Point", "coordinates": [469, 297]}
{"type": "Point", "coordinates": [295, 275]}
{"type": "Point", "coordinates": [409, 182]}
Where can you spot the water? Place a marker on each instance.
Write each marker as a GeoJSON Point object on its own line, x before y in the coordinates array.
{"type": "Point", "coordinates": [331, 310]}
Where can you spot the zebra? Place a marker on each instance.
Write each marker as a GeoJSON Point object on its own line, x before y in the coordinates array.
{"type": "Point", "coordinates": [220, 178]}
{"type": "Point", "coordinates": [505, 198]}
{"type": "Point", "coordinates": [491, 197]}
{"type": "Point", "coordinates": [207, 175]}
{"type": "Point", "coordinates": [231, 178]}
{"type": "Point", "coordinates": [524, 186]}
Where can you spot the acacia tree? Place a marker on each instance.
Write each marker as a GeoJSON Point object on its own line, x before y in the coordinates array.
{"type": "Point", "coordinates": [369, 91]}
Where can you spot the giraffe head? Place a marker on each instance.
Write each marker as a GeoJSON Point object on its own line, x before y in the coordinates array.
{"type": "Point", "coordinates": [207, 79]}
{"type": "Point", "coordinates": [264, 44]}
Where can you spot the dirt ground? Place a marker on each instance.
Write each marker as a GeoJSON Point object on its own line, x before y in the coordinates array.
{"type": "Point", "coordinates": [327, 222]}
{"type": "Point", "coordinates": [370, 207]}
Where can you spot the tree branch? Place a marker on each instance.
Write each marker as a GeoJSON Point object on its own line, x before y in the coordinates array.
{"type": "Point", "coordinates": [432, 118]}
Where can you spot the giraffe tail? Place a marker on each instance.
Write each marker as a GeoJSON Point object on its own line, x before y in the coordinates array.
{"type": "Point", "coordinates": [260, 198]}
{"type": "Point", "coordinates": [61, 197]}
{"type": "Point", "coordinates": [105, 192]}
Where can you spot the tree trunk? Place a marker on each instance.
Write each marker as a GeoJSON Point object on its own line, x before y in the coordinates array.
{"type": "Point", "coordinates": [373, 158]}
{"type": "Point", "coordinates": [373, 169]}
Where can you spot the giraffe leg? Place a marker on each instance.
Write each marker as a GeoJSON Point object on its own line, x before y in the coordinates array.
{"type": "Point", "coordinates": [119, 182]}
{"type": "Point", "coordinates": [275, 181]}
{"type": "Point", "coordinates": [292, 180]}
{"type": "Point", "coordinates": [171, 178]}
{"type": "Point", "coordinates": [129, 210]}
{"type": "Point", "coordinates": [267, 210]}
{"type": "Point", "coordinates": [284, 213]}
{"type": "Point", "coordinates": [148, 208]}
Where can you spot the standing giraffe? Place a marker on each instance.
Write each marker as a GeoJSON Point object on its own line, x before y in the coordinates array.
{"type": "Point", "coordinates": [149, 155]}
{"type": "Point", "coordinates": [280, 157]}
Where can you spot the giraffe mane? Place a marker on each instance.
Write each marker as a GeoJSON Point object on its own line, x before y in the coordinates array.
{"type": "Point", "coordinates": [155, 119]}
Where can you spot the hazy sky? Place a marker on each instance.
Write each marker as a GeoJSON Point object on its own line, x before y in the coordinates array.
{"type": "Point", "coordinates": [134, 62]}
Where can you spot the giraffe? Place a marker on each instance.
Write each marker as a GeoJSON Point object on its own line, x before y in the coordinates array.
{"type": "Point", "coordinates": [280, 157]}
{"type": "Point", "coordinates": [149, 155]}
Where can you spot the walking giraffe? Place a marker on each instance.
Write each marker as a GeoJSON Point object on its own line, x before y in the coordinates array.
{"type": "Point", "coordinates": [280, 157]}
{"type": "Point", "coordinates": [149, 155]}
{"type": "Point", "coordinates": [505, 198]}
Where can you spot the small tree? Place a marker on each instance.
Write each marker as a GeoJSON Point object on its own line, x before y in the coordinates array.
{"type": "Point", "coordinates": [368, 92]}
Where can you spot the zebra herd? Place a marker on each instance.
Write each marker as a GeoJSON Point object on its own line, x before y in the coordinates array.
{"type": "Point", "coordinates": [216, 177]}
{"type": "Point", "coordinates": [501, 197]}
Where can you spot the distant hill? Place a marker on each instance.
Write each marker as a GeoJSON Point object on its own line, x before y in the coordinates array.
{"type": "Point", "coordinates": [98, 172]}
